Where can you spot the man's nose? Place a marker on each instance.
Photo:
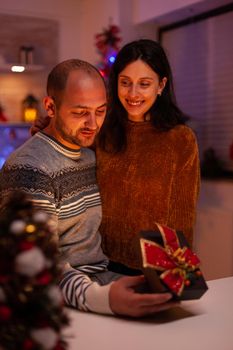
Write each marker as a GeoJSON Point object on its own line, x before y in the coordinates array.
{"type": "Point", "coordinates": [91, 121]}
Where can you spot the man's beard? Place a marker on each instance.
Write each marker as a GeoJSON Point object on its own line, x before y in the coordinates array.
{"type": "Point", "coordinates": [73, 139]}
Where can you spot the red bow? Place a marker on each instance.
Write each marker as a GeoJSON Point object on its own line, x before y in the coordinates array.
{"type": "Point", "coordinates": [176, 263]}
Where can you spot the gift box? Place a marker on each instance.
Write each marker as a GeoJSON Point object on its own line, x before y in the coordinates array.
{"type": "Point", "coordinates": [170, 265]}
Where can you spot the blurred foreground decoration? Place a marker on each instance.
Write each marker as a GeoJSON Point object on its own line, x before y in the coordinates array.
{"type": "Point", "coordinates": [107, 44]}
{"type": "Point", "coordinates": [31, 305]}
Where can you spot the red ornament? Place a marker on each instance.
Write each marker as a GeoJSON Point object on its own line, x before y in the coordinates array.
{"type": "Point", "coordinates": [28, 344]}
{"type": "Point", "coordinates": [44, 278]}
{"type": "Point", "coordinates": [25, 245]}
{"type": "Point", "coordinates": [5, 313]}
{"type": "Point", "coordinates": [59, 346]}
{"type": "Point", "coordinates": [4, 279]}
{"type": "Point", "coordinates": [187, 283]}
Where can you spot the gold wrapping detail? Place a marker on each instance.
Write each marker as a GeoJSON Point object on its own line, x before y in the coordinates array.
{"type": "Point", "coordinates": [155, 180]}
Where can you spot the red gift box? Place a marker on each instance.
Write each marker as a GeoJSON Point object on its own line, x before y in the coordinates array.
{"type": "Point", "coordinates": [170, 265]}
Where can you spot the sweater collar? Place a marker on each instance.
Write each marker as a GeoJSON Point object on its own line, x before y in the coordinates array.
{"type": "Point", "coordinates": [146, 124]}
{"type": "Point", "coordinates": [66, 151]}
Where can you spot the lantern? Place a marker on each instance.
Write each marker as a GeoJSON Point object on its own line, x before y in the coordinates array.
{"type": "Point", "coordinates": [30, 109]}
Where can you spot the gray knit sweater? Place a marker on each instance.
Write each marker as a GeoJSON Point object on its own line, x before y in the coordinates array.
{"type": "Point", "coordinates": [62, 182]}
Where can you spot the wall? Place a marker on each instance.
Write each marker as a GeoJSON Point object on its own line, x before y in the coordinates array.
{"type": "Point", "coordinates": [80, 20]}
{"type": "Point", "coordinates": [214, 228]}
{"type": "Point", "coordinates": [15, 87]}
{"type": "Point", "coordinates": [66, 12]}
{"type": "Point", "coordinates": [96, 15]}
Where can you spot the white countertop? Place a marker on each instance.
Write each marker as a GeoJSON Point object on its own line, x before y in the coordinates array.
{"type": "Point", "coordinates": [205, 324]}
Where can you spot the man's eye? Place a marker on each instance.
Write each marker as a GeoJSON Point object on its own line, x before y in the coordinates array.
{"type": "Point", "coordinates": [101, 111]}
{"type": "Point", "coordinates": [79, 113]}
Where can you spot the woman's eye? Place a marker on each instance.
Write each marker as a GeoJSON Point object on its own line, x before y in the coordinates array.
{"type": "Point", "coordinates": [125, 83]}
{"type": "Point", "coordinates": [144, 84]}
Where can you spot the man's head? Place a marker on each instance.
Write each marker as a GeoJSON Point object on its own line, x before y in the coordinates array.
{"type": "Point", "coordinates": [76, 103]}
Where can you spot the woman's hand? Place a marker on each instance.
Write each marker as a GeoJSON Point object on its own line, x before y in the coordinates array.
{"type": "Point", "coordinates": [39, 124]}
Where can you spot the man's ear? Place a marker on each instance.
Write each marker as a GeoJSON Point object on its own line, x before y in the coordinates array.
{"type": "Point", "coordinates": [49, 106]}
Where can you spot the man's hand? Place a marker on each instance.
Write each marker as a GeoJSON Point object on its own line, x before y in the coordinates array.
{"type": "Point", "coordinates": [124, 300]}
{"type": "Point", "coordinates": [39, 124]}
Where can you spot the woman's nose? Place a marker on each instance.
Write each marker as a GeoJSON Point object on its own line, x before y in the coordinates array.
{"type": "Point", "coordinates": [133, 91]}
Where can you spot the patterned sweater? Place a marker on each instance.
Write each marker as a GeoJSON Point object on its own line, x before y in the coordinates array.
{"type": "Point", "coordinates": [62, 182]}
{"type": "Point", "coordinates": [156, 179]}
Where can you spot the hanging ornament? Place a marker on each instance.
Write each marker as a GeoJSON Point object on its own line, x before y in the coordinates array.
{"type": "Point", "coordinates": [107, 44]}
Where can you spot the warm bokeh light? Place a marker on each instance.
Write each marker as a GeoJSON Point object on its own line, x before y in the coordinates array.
{"type": "Point", "coordinates": [30, 114]}
{"type": "Point", "coordinates": [18, 69]}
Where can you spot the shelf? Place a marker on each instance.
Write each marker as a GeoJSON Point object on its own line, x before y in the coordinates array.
{"type": "Point", "coordinates": [6, 67]}
{"type": "Point", "coordinates": [16, 124]}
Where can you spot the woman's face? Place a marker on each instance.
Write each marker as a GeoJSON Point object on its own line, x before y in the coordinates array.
{"type": "Point", "coordinates": [138, 88]}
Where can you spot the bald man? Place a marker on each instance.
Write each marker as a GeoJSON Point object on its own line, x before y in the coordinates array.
{"type": "Point", "coordinates": [57, 170]}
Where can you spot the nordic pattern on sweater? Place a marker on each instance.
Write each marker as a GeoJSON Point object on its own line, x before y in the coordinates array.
{"type": "Point", "coordinates": [62, 182]}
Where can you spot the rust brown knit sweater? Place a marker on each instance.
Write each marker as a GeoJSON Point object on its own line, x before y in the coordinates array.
{"type": "Point", "coordinates": [155, 180]}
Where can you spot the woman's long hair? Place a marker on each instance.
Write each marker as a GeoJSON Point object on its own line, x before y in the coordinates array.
{"type": "Point", "coordinates": [164, 114]}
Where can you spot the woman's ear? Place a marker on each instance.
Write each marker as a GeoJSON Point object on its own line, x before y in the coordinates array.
{"type": "Point", "coordinates": [162, 85]}
{"type": "Point", "coordinates": [49, 106]}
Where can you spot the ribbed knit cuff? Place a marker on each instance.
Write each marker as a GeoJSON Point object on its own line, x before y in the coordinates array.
{"type": "Point", "coordinates": [97, 298]}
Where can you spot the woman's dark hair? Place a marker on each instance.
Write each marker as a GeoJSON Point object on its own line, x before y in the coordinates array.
{"type": "Point", "coordinates": [164, 113]}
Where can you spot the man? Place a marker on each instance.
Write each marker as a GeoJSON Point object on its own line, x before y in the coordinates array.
{"type": "Point", "coordinates": [57, 170]}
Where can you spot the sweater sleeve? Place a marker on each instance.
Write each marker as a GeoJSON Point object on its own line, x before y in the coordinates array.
{"type": "Point", "coordinates": [185, 188]}
{"type": "Point", "coordinates": [80, 292]}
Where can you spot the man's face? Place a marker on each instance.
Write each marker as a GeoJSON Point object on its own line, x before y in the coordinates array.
{"type": "Point", "coordinates": [82, 110]}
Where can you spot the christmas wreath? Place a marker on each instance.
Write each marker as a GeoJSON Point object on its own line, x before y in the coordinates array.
{"type": "Point", "coordinates": [31, 306]}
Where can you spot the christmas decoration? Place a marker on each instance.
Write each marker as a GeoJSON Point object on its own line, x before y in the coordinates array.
{"type": "Point", "coordinates": [169, 264]}
{"type": "Point", "coordinates": [3, 117]}
{"type": "Point", "coordinates": [31, 306]}
{"type": "Point", "coordinates": [107, 44]}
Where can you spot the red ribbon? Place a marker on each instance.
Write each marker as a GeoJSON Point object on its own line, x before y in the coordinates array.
{"type": "Point", "coordinates": [174, 262]}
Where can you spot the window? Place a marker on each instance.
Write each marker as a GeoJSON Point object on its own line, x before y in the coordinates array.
{"type": "Point", "coordinates": [201, 56]}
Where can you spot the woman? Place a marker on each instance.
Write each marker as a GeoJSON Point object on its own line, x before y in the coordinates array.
{"type": "Point", "coordinates": [147, 159]}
